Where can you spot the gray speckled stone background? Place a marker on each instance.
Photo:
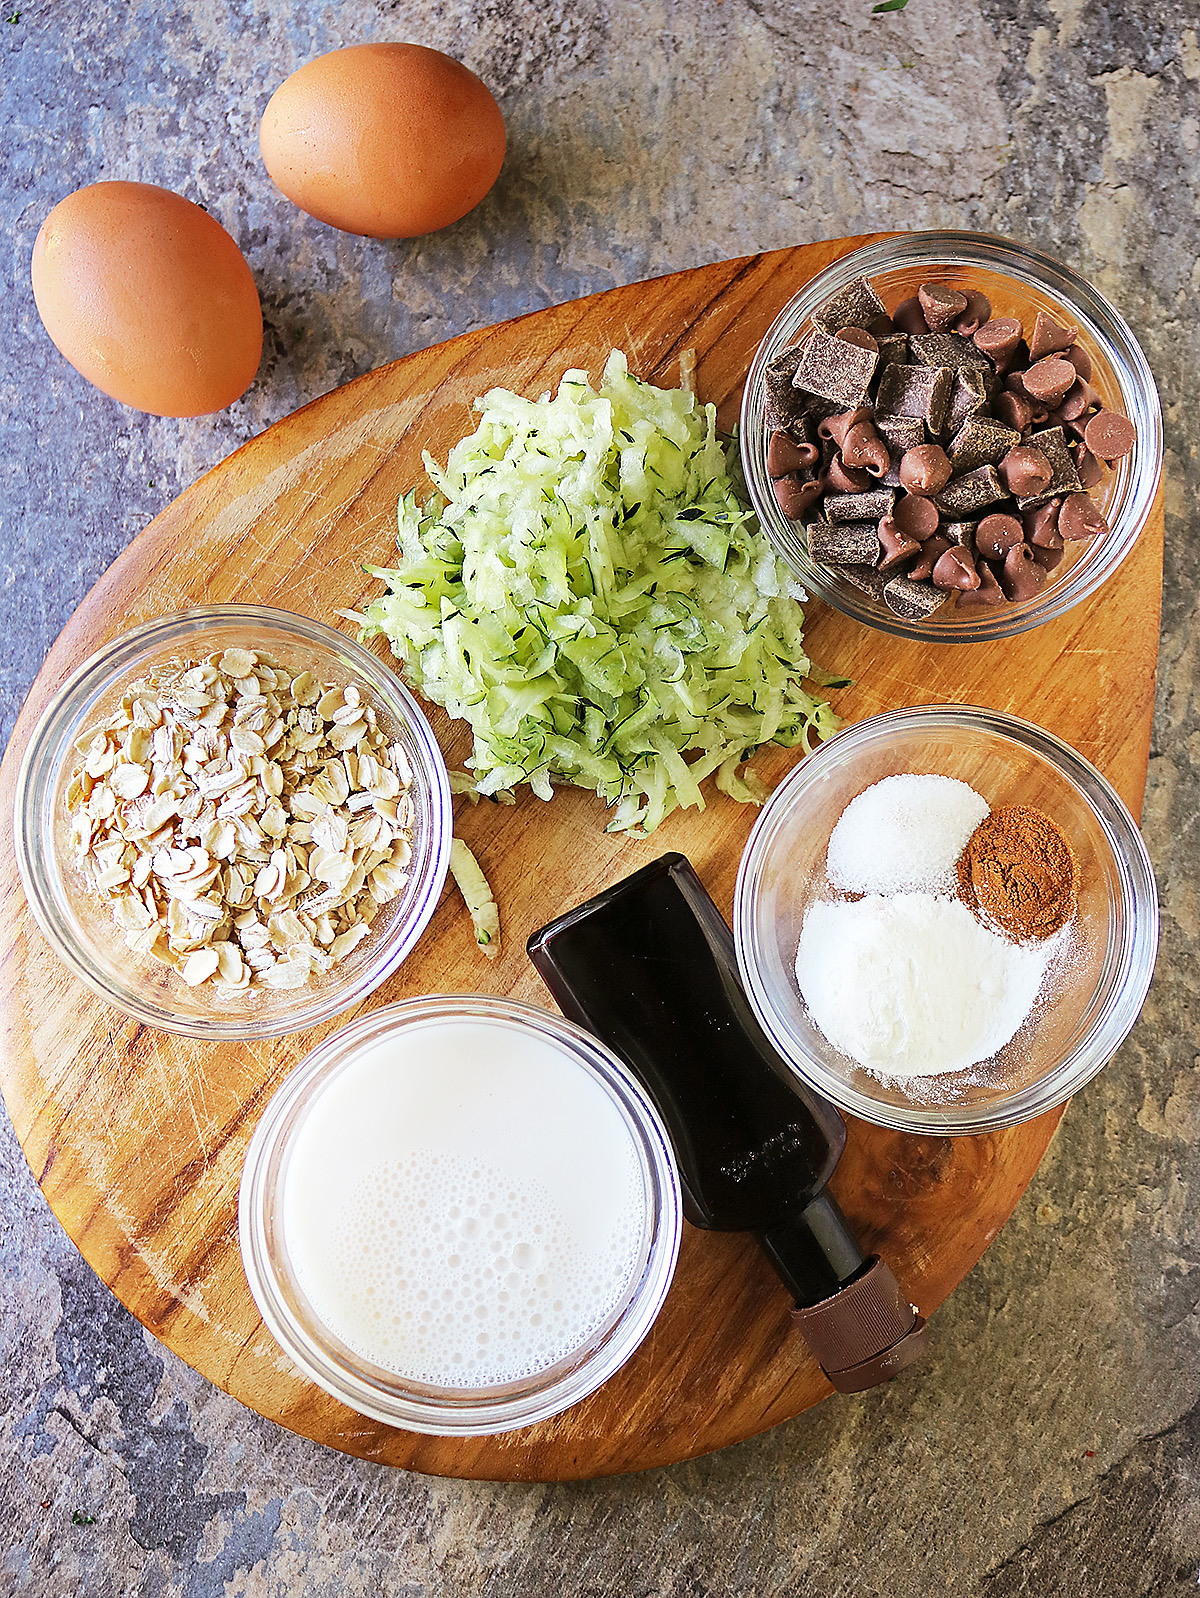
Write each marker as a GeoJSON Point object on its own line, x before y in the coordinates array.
{"type": "Point", "coordinates": [1053, 1444]}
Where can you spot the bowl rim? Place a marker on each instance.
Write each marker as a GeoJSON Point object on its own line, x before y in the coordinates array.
{"type": "Point", "coordinates": [1105, 325]}
{"type": "Point", "coordinates": [467, 1411]}
{"type": "Point", "coordinates": [48, 748]}
{"type": "Point", "coordinates": [1135, 960]}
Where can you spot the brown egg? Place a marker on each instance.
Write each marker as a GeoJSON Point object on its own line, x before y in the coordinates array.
{"type": "Point", "coordinates": [387, 140]}
{"type": "Point", "coordinates": [148, 298]}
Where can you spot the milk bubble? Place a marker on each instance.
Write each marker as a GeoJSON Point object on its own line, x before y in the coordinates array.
{"type": "Point", "coordinates": [464, 1205]}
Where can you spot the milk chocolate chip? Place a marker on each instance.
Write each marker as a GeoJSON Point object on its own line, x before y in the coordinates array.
{"type": "Point", "coordinates": [997, 534]}
{"type": "Point", "coordinates": [940, 306]}
{"type": "Point", "coordinates": [898, 547]}
{"type": "Point", "coordinates": [909, 317]}
{"type": "Point", "coordinates": [925, 470]}
{"type": "Point", "coordinates": [978, 311]}
{"type": "Point", "coordinates": [932, 551]}
{"type": "Point", "coordinates": [955, 569]}
{"type": "Point", "coordinates": [1050, 379]}
{"type": "Point", "coordinates": [1021, 577]}
{"type": "Point", "coordinates": [836, 427]}
{"type": "Point", "coordinates": [1049, 337]}
{"type": "Point", "coordinates": [843, 480]}
{"type": "Point", "coordinates": [1080, 518]}
{"type": "Point", "coordinates": [988, 593]}
{"type": "Point", "coordinates": [1110, 436]}
{"type": "Point", "coordinates": [1025, 470]}
{"type": "Point", "coordinates": [784, 455]}
{"type": "Point", "coordinates": [794, 496]}
{"type": "Point", "coordinates": [916, 517]}
{"type": "Point", "coordinates": [998, 340]}
{"type": "Point", "coordinates": [863, 447]}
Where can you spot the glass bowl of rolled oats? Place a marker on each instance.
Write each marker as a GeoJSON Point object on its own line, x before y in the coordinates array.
{"type": "Point", "coordinates": [233, 822]}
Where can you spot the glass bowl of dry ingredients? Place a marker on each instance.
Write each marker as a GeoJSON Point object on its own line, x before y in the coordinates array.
{"type": "Point", "coordinates": [962, 904]}
{"type": "Point", "coordinates": [233, 822]}
{"type": "Point", "coordinates": [1018, 284]}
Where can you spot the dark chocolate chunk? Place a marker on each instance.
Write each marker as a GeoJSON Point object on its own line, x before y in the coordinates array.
{"type": "Point", "coordinates": [868, 578]}
{"type": "Point", "coordinates": [980, 441]}
{"type": "Point", "coordinates": [966, 398]}
{"type": "Point", "coordinates": [893, 350]}
{"type": "Point", "coordinates": [970, 492]}
{"type": "Point", "coordinates": [948, 349]}
{"type": "Point", "coordinates": [835, 369]}
{"type": "Point", "coordinates": [920, 391]}
{"type": "Point", "coordinates": [857, 305]}
{"type": "Point", "coordinates": [859, 507]}
{"type": "Point", "coordinates": [848, 544]}
{"type": "Point", "coordinates": [913, 601]}
{"type": "Point", "coordinates": [1065, 479]}
{"type": "Point", "coordinates": [960, 533]}
{"type": "Point", "coordinates": [901, 433]}
{"type": "Point", "coordinates": [785, 406]}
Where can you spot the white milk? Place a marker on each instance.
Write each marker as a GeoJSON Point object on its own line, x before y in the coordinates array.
{"type": "Point", "coordinates": [464, 1204]}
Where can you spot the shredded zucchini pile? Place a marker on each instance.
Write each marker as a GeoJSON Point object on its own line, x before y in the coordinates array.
{"type": "Point", "coordinates": [588, 591]}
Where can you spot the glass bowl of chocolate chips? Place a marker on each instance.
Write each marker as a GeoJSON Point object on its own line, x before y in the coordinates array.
{"type": "Point", "coordinates": [951, 437]}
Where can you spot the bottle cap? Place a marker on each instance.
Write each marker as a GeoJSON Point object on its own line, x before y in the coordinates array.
{"type": "Point", "coordinates": [866, 1332]}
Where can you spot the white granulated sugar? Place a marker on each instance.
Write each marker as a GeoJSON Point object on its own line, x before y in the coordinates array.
{"type": "Point", "coordinates": [904, 835]}
{"type": "Point", "coordinates": [913, 985]}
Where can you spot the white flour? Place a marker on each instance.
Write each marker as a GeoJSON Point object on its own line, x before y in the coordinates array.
{"type": "Point", "coordinates": [912, 985]}
{"type": "Point", "coordinates": [904, 835]}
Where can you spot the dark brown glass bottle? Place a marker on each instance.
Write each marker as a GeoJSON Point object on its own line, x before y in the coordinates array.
{"type": "Point", "coordinates": [649, 967]}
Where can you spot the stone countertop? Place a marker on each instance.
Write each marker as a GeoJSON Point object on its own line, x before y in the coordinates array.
{"type": "Point", "coordinates": [1053, 1444]}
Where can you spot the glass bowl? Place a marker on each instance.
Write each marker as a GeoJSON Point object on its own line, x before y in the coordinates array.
{"type": "Point", "coordinates": [1019, 282]}
{"type": "Point", "coordinates": [82, 931]}
{"type": "Point", "coordinates": [279, 1143]}
{"type": "Point", "coordinates": [1096, 990]}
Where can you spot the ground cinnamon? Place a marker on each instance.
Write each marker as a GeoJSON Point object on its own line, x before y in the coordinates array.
{"type": "Point", "coordinates": [1019, 874]}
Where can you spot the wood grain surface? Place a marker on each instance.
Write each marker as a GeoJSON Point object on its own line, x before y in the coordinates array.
{"type": "Point", "coordinates": [137, 1137]}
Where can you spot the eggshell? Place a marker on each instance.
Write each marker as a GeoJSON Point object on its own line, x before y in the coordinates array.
{"type": "Point", "coordinates": [387, 140]}
{"type": "Point", "coordinates": [148, 298]}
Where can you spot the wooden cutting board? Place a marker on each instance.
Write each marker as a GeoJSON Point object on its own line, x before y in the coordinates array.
{"type": "Point", "coordinates": [137, 1138]}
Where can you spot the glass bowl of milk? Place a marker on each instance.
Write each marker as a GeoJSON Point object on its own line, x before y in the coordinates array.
{"type": "Point", "coordinates": [866, 967]}
{"type": "Point", "coordinates": [460, 1215]}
